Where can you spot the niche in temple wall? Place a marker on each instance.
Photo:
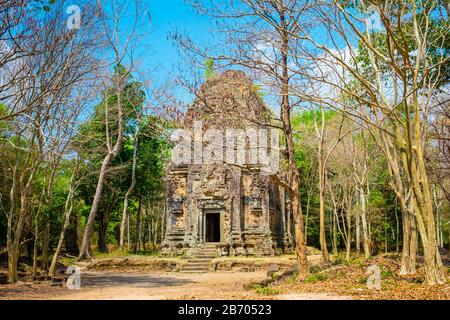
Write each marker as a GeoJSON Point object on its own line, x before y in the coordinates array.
{"type": "Point", "coordinates": [251, 197]}
{"type": "Point", "coordinates": [177, 201]}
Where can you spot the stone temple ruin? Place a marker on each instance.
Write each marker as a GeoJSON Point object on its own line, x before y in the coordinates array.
{"type": "Point", "coordinates": [236, 209]}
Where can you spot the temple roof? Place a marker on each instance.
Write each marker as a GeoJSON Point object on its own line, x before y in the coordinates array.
{"type": "Point", "coordinates": [229, 99]}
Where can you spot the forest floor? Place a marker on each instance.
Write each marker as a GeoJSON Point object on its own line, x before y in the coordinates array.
{"type": "Point", "coordinates": [340, 280]}
{"type": "Point", "coordinates": [350, 279]}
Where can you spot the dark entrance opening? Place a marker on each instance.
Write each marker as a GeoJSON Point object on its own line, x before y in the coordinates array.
{"type": "Point", "coordinates": [212, 227]}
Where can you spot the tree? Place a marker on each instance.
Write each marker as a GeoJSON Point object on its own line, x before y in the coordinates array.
{"type": "Point", "coordinates": [42, 106]}
{"type": "Point", "coordinates": [406, 55]}
{"type": "Point", "coordinates": [115, 88]}
{"type": "Point", "coordinates": [120, 102]}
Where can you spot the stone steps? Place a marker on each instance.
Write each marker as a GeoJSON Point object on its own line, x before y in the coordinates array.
{"type": "Point", "coordinates": [200, 263]}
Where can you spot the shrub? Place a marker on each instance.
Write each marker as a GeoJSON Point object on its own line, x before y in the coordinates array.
{"type": "Point", "coordinates": [312, 278]}
{"type": "Point", "coordinates": [265, 290]}
{"type": "Point", "coordinates": [387, 273]}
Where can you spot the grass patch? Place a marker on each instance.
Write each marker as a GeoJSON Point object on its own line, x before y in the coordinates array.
{"type": "Point", "coordinates": [291, 280]}
{"type": "Point", "coordinates": [362, 280]}
{"type": "Point", "coordinates": [119, 253]}
{"type": "Point", "coordinates": [316, 277]}
{"type": "Point", "coordinates": [265, 290]}
{"type": "Point", "coordinates": [387, 273]}
{"type": "Point", "coordinates": [338, 259]}
{"type": "Point", "coordinates": [67, 261]}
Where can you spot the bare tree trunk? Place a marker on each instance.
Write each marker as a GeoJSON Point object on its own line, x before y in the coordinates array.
{"type": "Point", "coordinates": [163, 220]}
{"type": "Point", "coordinates": [385, 234]}
{"type": "Point", "coordinates": [397, 227]}
{"type": "Point", "coordinates": [128, 232]}
{"type": "Point", "coordinates": [321, 173]}
{"type": "Point", "coordinates": [413, 243]}
{"type": "Point", "coordinates": [36, 243]}
{"type": "Point", "coordinates": [67, 212]}
{"type": "Point", "coordinates": [334, 235]}
{"type": "Point", "coordinates": [138, 227]}
{"type": "Point", "coordinates": [322, 236]}
{"type": "Point", "coordinates": [366, 239]}
{"type": "Point", "coordinates": [308, 197]}
{"type": "Point", "coordinates": [125, 213]}
{"type": "Point", "coordinates": [358, 232]}
{"type": "Point", "coordinates": [294, 176]}
{"type": "Point", "coordinates": [349, 233]}
{"type": "Point", "coordinates": [448, 254]}
{"type": "Point", "coordinates": [45, 244]}
{"type": "Point", "coordinates": [406, 267]}
{"type": "Point", "coordinates": [103, 229]}
{"type": "Point", "coordinates": [15, 228]}
{"type": "Point", "coordinates": [155, 238]}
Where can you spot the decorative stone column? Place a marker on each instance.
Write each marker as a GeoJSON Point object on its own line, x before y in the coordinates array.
{"type": "Point", "coordinates": [236, 247]}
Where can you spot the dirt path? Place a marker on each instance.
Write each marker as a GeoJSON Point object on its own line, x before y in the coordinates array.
{"type": "Point", "coordinates": [140, 286]}
{"type": "Point", "coordinates": [155, 285]}
{"type": "Point", "coordinates": [110, 285]}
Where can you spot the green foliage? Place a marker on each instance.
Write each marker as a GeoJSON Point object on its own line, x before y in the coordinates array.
{"type": "Point", "coordinates": [293, 279]}
{"type": "Point", "coordinates": [437, 39]}
{"type": "Point", "coordinates": [210, 70]}
{"type": "Point", "coordinates": [339, 259]}
{"type": "Point", "coordinates": [386, 273]}
{"type": "Point", "coordinates": [316, 277]}
{"type": "Point", "coordinates": [266, 290]}
{"type": "Point", "coordinates": [257, 89]}
{"type": "Point", "coordinates": [362, 280]}
{"type": "Point", "coordinates": [3, 124]}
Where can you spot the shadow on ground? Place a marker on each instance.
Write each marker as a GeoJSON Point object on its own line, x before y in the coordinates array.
{"type": "Point", "coordinates": [138, 281]}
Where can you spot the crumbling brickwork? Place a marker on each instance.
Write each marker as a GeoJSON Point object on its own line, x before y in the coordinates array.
{"type": "Point", "coordinates": [244, 211]}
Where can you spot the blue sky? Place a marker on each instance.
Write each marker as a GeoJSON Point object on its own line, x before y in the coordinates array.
{"type": "Point", "coordinates": [167, 16]}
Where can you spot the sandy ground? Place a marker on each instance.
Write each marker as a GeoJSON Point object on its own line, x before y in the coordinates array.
{"type": "Point", "coordinates": [152, 286]}
{"type": "Point", "coordinates": [110, 285]}
{"type": "Point", "coordinates": [155, 285]}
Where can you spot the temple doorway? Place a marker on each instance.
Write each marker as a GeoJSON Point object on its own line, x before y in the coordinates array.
{"type": "Point", "coordinates": [212, 226]}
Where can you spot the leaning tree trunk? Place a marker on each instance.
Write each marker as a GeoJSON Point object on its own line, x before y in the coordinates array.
{"type": "Point", "coordinates": [67, 212]}
{"type": "Point", "coordinates": [85, 249]}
